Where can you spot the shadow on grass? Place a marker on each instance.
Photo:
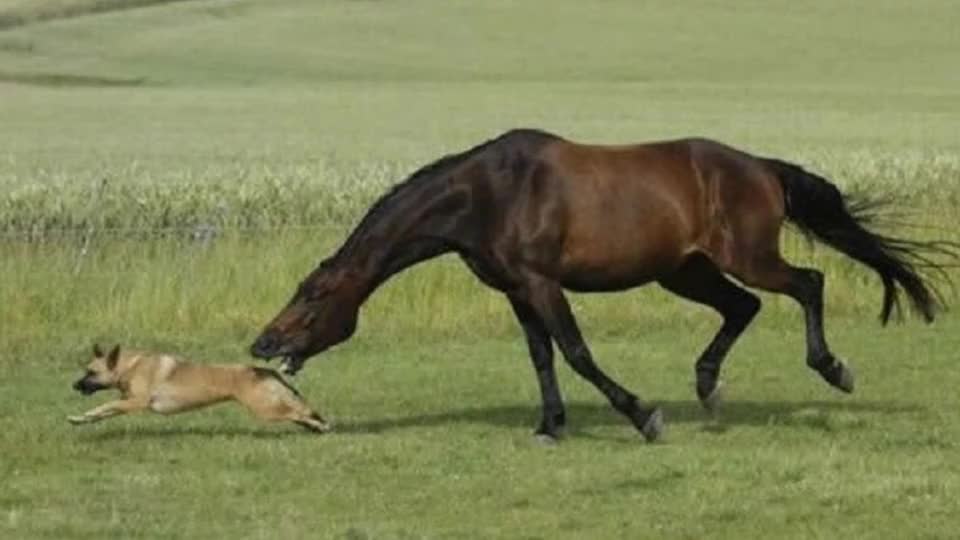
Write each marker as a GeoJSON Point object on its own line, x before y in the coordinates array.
{"type": "Point", "coordinates": [809, 414]}
{"type": "Point", "coordinates": [581, 416]}
{"type": "Point", "coordinates": [57, 80]}
{"type": "Point", "coordinates": [173, 431]}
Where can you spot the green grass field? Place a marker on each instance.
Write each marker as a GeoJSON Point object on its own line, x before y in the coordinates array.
{"type": "Point", "coordinates": [169, 171]}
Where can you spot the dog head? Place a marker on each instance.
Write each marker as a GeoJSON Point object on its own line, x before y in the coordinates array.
{"type": "Point", "coordinates": [101, 371]}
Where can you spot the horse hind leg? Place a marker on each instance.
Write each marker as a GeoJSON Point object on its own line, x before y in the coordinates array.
{"type": "Point", "coordinates": [699, 280]}
{"type": "Point", "coordinates": [805, 285]}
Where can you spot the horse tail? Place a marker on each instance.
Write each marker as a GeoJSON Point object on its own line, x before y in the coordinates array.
{"type": "Point", "coordinates": [821, 211]}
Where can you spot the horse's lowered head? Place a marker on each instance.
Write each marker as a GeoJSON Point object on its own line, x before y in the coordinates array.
{"type": "Point", "coordinates": [321, 314]}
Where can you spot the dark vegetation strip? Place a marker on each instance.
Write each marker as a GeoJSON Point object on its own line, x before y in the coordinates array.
{"type": "Point", "coordinates": [57, 80]}
{"type": "Point", "coordinates": [14, 18]}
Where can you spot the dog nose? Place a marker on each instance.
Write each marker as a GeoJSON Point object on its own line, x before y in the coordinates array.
{"type": "Point", "coordinates": [264, 345]}
{"type": "Point", "coordinates": [78, 385]}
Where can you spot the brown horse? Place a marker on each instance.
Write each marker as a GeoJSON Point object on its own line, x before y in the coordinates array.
{"type": "Point", "coordinates": [532, 214]}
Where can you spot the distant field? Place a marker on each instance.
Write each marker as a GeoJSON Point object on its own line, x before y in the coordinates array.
{"type": "Point", "coordinates": [168, 173]}
{"type": "Point", "coordinates": [15, 13]}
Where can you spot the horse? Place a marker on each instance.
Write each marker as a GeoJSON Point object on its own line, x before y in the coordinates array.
{"type": "Point", "coordinates": [532, 214]}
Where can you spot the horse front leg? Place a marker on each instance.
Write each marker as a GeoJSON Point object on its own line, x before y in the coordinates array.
{"type": "Point", "coordinates": [547, 300]}
{"type": "Point", "coordinates": [541, 353]}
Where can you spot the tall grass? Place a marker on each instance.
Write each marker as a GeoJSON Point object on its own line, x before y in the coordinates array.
{"type": "Point", "coordinates": [183, 260]}
{"type": "Point", "coordinates": [328, 193]}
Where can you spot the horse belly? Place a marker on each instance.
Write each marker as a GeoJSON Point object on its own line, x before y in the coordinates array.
{"type": "Point", "coordinates": [610, 262]}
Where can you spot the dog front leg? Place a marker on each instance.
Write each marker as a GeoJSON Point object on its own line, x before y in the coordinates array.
{"type": "Point", "coordinates": [105, 411]}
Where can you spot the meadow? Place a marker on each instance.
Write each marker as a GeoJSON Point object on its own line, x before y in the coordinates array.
{"type": "Point", "coordinates": [169, 170]}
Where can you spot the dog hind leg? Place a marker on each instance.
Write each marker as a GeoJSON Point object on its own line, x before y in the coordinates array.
{"type": "Point", "coordinates": [273, 400]}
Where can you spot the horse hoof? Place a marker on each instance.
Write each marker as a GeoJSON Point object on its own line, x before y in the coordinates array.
{"type": "Point", "coordinates": [653, 428]}
{"type": "Point", "coordinates": [839, 376]}
{"type": "Point", "coordinates": [713, 400]}
{"type": "Point", "coordinates": [844, 379]}
{"type": "Point", "coordinates": [546, 439]}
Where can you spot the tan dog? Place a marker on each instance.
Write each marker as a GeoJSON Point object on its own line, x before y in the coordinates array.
{"type": "Point", "coordinates": [167, 385]}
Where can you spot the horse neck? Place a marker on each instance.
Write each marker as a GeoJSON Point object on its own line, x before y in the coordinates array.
{"type": "Point", "coordinates": [418, 225]}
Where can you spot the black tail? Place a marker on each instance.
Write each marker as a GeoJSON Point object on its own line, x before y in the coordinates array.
{"type": "Point", "coordinates": [819, 209]}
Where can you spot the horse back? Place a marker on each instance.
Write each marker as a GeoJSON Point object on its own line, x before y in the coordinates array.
{"type": "Point", "coordinates": [610, 217]}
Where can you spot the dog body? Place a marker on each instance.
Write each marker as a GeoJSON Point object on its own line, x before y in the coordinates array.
{"type": "Point", "coordinates": [166, 384]}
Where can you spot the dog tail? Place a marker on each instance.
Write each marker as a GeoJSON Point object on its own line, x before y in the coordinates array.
{"type": "Point", "coordinates": [266, 373]}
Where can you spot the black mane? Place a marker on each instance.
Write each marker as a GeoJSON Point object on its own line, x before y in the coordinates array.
{"type": "Point", "coordinates": [424, 174]}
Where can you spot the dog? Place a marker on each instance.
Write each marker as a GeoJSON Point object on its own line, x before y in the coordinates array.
{"type": "Point", "coordinates": [166, 384]}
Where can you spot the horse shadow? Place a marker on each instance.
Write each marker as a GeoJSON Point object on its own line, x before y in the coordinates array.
{"type": "Point", "coordinates": [582, 416]}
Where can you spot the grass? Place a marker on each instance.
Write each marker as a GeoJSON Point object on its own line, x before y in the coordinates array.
{"type": "Point", "coordinates": [434, 441]}
{"type": "Point", "coordinates": [167, 174]}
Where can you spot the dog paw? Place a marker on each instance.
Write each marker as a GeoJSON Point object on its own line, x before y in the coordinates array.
{"type": "Point", "coordinates": [77, 420]}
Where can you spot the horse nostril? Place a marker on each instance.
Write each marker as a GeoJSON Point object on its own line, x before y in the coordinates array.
{"type": "Point", "coordinates": [264, 345]}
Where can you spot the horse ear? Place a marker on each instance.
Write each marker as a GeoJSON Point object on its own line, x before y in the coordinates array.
{"type": "Point", "coordinates": [97, 351]}
{"type": "Point", "coordinates": [113, 357]}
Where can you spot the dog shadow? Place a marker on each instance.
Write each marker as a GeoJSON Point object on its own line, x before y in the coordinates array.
{"type": "Point", "coordinates": [199, 432]}
{"type": "Point", "coordinates": [583, 416]}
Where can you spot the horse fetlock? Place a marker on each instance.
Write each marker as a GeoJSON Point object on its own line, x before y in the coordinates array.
{"type": "Point", "coordinates": [707, 381]}
{"type": "Point", "coordinates": [551, 425]}
{"type": "Point", "coordinates": [820, 362]}
{"type": "Point", "coordinates": [712, 397]}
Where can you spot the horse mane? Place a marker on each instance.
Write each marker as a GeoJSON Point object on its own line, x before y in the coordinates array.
{"type": "Point", "coordinates": [421, 176]}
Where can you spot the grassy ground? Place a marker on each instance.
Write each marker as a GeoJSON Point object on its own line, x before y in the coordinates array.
{"type": "Point", "coordinates": [434, 441]}
{"type": "Point", "coordinates": [217, 117]}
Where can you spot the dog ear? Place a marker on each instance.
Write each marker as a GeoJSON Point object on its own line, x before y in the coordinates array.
{"type": "Point", "coordinates": [97, 351]}
{"type": "Point", "coordinates": [113, 357]}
